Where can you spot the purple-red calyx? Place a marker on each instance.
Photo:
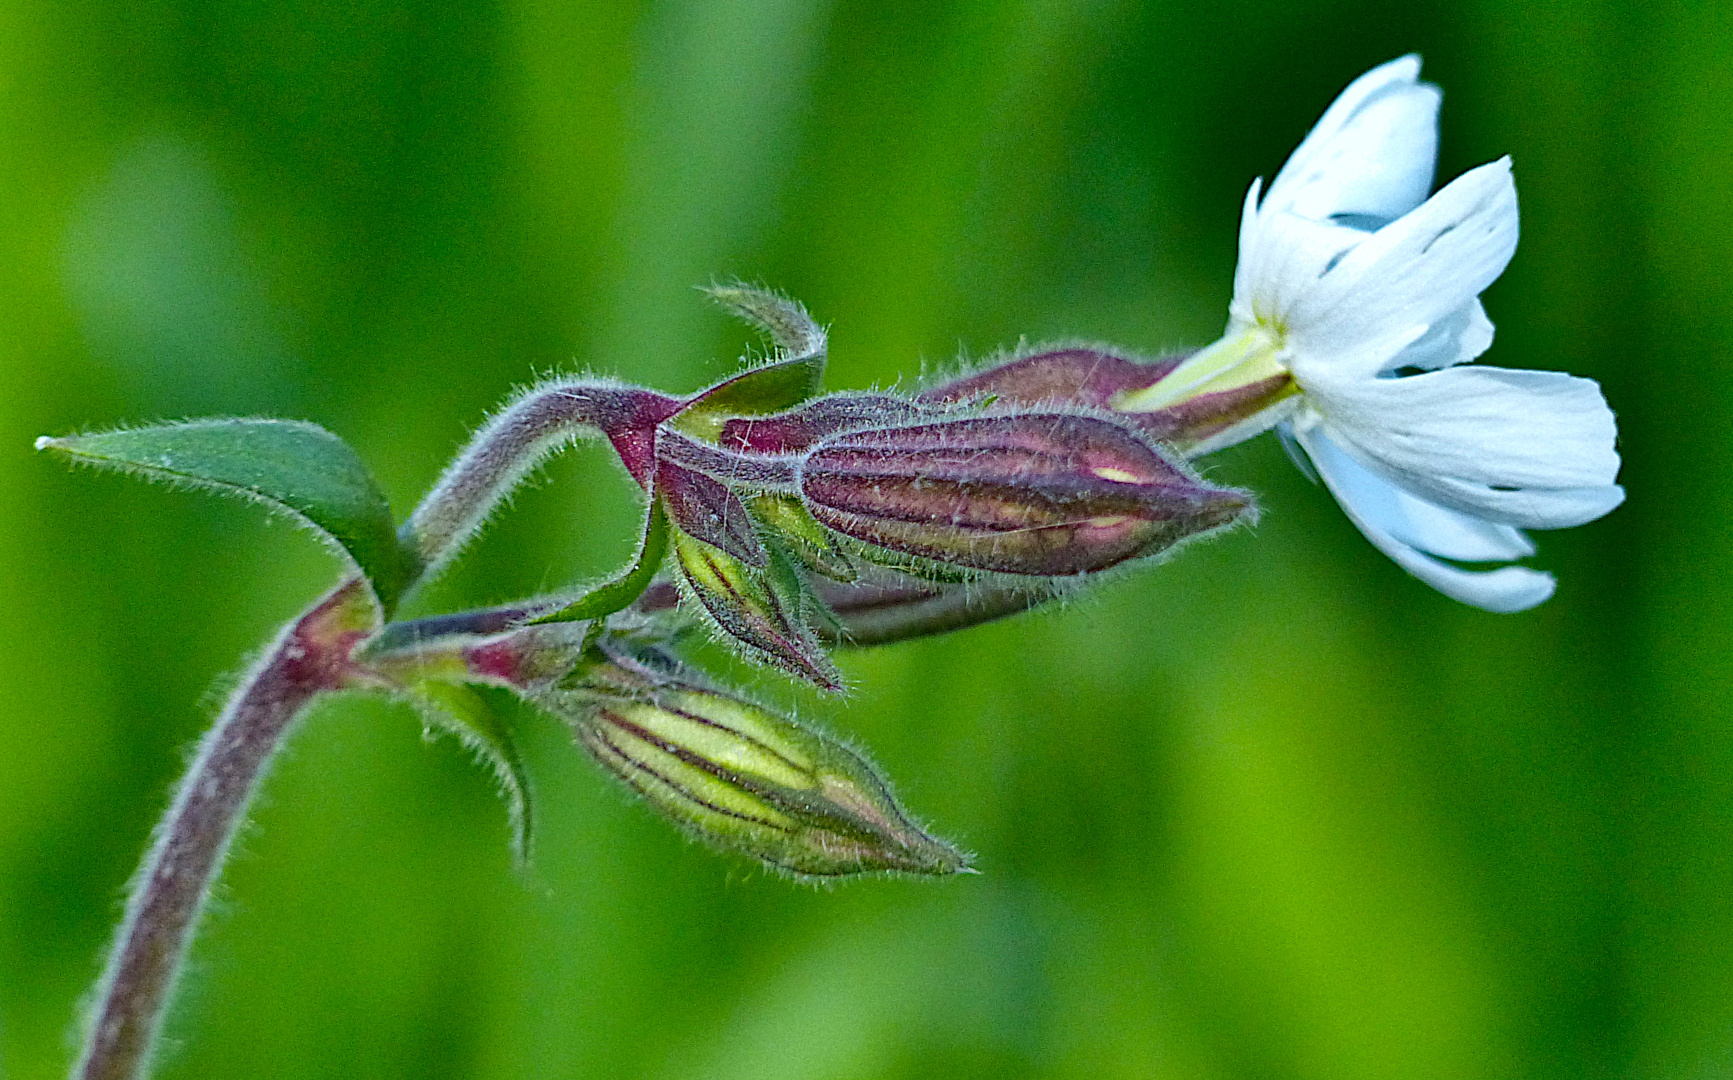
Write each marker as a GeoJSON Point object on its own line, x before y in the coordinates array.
{"type": "Point", "coordinates": [1073, 376]}
{"type": "Point", "coordinates": [1035, 493]}
{"type": "Point", "coordinates": [709, 511]}
{"type": "Point", "coordinates": [1093, 379]}
{"type": "Point", "coordinates": [798, 429]}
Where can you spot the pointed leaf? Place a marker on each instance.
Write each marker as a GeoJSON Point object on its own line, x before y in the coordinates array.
{"type": "Point", "coordinates": [298, 467]}
{"type": "Point", "coordinates": [461, 711]}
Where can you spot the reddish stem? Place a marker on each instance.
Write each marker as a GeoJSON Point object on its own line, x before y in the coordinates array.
{"type": "Point", "coordinates": [309, 658]}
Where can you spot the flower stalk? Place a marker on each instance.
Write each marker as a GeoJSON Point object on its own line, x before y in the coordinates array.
{"type": "Point", "coordinates": [519, 438]}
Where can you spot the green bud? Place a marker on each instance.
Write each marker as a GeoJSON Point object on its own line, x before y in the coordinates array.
{"type": "Point", "coordinates": [744, 603]}
{"type": "Point", "coordinates": [743, 778]}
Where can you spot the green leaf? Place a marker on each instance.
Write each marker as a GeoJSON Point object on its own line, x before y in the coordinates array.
{"type": "Point", "coordinates": [465, 713]}
{"type": "Point", "coordinates": [298, 467]}
{"type": "Point", "coordinates": [617, 594]}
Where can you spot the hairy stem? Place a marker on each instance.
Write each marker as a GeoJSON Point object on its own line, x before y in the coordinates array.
{"type": "Point", "coordinates": [169, 892]}
{"type": "Point", "coordinates": [517, 440]}
{"type": "Point", "coordinates": [767, 473]}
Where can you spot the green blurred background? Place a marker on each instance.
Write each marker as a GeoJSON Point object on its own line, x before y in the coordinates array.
{"type": "Point", "coordinates": [1271, 810]}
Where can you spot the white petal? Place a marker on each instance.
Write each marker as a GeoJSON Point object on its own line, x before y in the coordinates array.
{"type": "Point", "coordinates": [1373, 153]}
{"type": "Point", "coordinates": [1526, 508]}
{"type": "Point", "coordinates": [1503, 591]}
{"type": "Point", "coordinates": [1252, 251]}
{"type": "Point", "coordinates": [1507, 589]}
{"type": "Point", "coordinates": [1283, 261]}
{"type": "Point", "coordinates": [1410, 274]}
{"type": "Point", "coordinates": [1455, 339]}
{"type": "Point", "coordinates": [1495, 425]}
{"type": "Point", "coordinates": [1377, 501]}
{"type": "Point", "coordinates": [1527, 448]}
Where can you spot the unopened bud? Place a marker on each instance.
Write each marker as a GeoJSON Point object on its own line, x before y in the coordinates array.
{"type": "Point", "coordinates": [741, 602]}
{"type": "Point", "coordinates": [746, 779]}
{"type": "Point", "coordinates": [700, 507]}
{"type": "Point", "coordinates": [1042, 494]}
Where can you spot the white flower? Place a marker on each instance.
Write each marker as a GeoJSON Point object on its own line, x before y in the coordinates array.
{"type": "Point", "coordinates": [1366, 292]}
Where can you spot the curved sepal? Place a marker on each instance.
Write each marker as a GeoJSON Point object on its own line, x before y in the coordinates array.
{"type": "Point", "coordinates": [618, 594]}
{"type": "Point", "coordinates": [784, 321]}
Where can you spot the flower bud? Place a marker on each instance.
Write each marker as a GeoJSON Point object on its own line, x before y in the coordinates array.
{"type": "Point", "coordinates": [743, 778]}
{"type": "Point", "coordinates": [742, 604]}
{"type": "Point", "coordinates": [700, 507]}
{"type": "Point", "coordinates": [1041, 494]}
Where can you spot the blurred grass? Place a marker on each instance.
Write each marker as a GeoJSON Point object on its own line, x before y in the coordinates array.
{"type": "Point", "coordinates": [1271, 810]}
